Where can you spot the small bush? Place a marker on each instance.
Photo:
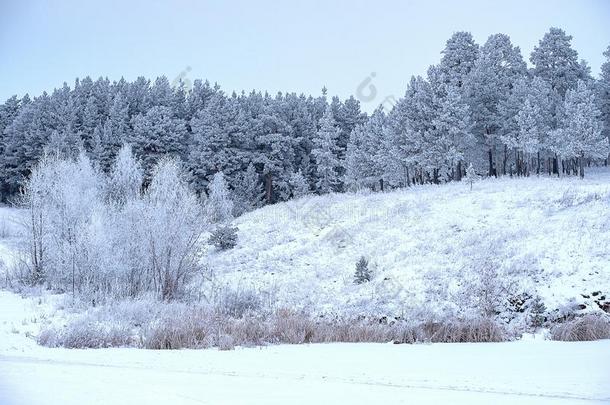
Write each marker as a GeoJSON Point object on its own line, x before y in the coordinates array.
{"type": "Point", "coordinates": [236, 303]}
{"type": "Point", "coordinates": [475, 330]}
{"type": "Point", "coordinates": [584, 328]}
{"type": "Point", "coordinates": [537, 311]}
{"type": "Point", "coordinates": [188, 328]}
{"type": "Point", "coordinates": [363, 274]}
{"type": "Point", "coordinates": [226, 342]}
{"type": "Point", "coordinates": [85, 333]}
{"type": "Point", "coordinates": [224, 237]}
{"type": "Point", "coordinates": [292, 327]}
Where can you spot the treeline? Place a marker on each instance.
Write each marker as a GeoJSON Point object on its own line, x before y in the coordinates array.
{"type": "Point", "coordinates": [480, 105]}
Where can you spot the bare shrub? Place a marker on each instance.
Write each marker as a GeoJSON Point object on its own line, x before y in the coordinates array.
{"type": "Point", "coordinates": [48, 337]}
{"type": "Point", "coordinates": [236, 302]}
{"type": "Point", "coordinates": [85, 333]}
{"type": "Point", "coordinates": [177, 326]}
{"type": "Point", "coordinates": [247, 331]}
{"type": "Point", "coordinates": [292, 327]}
{"type": "Point", "coordinates": [226, 342]}
{"type": "Point", "coordinates": [474, 330]}
{"type": "Point", "coordinates": [188, 328]}
{"type": "Point", "coordinates": [584, 328]}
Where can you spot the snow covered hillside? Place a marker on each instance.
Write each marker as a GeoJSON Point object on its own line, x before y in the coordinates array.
{"type": "Point", "coordinates": [543, 236]}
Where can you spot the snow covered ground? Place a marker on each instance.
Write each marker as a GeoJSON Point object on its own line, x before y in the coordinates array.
{"type": "Point", "coordinates": [548, 235]}
{"type": "Point", "coordinates": [529, 371]}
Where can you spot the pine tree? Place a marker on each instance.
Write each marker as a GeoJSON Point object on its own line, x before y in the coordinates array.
{"type": "Point", "coordinates": [537, 311]}
{"type": "Point", "coordinates": [499, 66]}
{"type": "Point", "coordinates": [355, 174]}
{"type": "Point", "coordinates": [531, 132]}
{"type": "Point", "coordinates": [540, 96]}
{"type": "Point", "coordinates": [219, 205]}
{"type": "Point", "coordinates": [325, 153]}
{"type": "Point", "coordinates": [459, 57]}
{"type": "Point", "coordinates": [363, 274]}
{"type": "Point", "coordinates": [581, 130]}
{"type": "Point", "coordinates": [603, 95]}
{"type": "Point", "coordinates": [365, 159]}
{"type": "Point", "coordinates": [210, 150]}
{"type": "Point", "coordinates": [556, 62]}
{"type": "Point", "coordinates": [157, 134]}
{"type": "Point", "coordinates": [452, 129]}
{"type": "Point", "coordinates": [248, 191]}
{"type": "Point", "coordinates": [64, 144]}
{"type": "Point", "coordinates": [298, 185]}
{"type": "Point", "coordinates": [275, 151]}
{"type": "Point", "coordinates": [471, 175]}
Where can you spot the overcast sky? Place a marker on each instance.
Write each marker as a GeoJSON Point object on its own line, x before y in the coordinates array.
{"type": "Point", "coordinates": [276, 46]}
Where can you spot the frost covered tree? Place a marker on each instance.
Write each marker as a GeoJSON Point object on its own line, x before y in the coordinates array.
{"type": "Point", "coordinates": [541, 97]}
{"type": "Point", "coordinates": [364, 158]}
{"type": "Point", "coordinates": [298, 185]}
{"type": "Point", "coordinates": [363, 273]}
{"type": "Point", "coordinates": [325, 154]}
{"type": "Point", "coordinates": [171, 228]}
{"type": "Point", "coordinates": [459, 58]}
{"type": "Point", "coordinates": [248, 192]}
{"type": "Point", "coordinates": [355, 174]}
{"type": "Point", "coordinates": [211, 147]}
{"type": "Point", "coordinates": [64, 144]}
{"type": "Point", "coordinates": [580, 136]}
{"type": "Point", "coordinates": [219, 206]}
{"type": "Point", "coordinates": [556, 61]}
{"type": "Point", "coordinates": [125, 178]}
{"type": "Point", "coordinates": [494, 74]}
{"type": "Point", "coordinates": [410, 125]}
{"type": "Point", "coordinates": [532, 129]}
{"type": "Point", "coordinates": [157, 134]}
{"type": "Point", "coordinates": [61, 197]}
{"type": "Point", "coordinates": [471, 175]}
{"type": "Point", "coordinates": [452, 129]}
{"type": "Point", "coordinates": [116, 130]}
{"type": "Point", "coordinates": [275, 153]}
{"type": "Point", "coordinates": [603, 94]}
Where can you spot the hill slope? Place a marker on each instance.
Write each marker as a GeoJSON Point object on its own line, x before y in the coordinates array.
{"type": "Point", "coordinates": [430, 247]}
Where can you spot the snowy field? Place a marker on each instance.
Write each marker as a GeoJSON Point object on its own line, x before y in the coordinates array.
{"type": "Point", "coordinates": [522, 372]}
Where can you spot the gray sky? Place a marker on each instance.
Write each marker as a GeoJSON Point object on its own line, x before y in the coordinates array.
{"type": "Point", "coordinates": [276, 46]}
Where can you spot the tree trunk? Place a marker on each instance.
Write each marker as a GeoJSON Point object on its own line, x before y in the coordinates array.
{"type": "Point", "coordinates": [381, 184]}
{"type": "Point", "coordinates": [268, 188]}
{"type": "Point", "coordinates": [458, 171]}
{"type": "Point", "coordinates": [581, 162]}
{"type": "Point", "coordinates": [491, 163]}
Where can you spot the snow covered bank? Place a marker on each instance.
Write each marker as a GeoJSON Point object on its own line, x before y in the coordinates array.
{"type": "Point", "coordinates": [530, 371]}
{"type": "Point", "coordinates": [501, 373]}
